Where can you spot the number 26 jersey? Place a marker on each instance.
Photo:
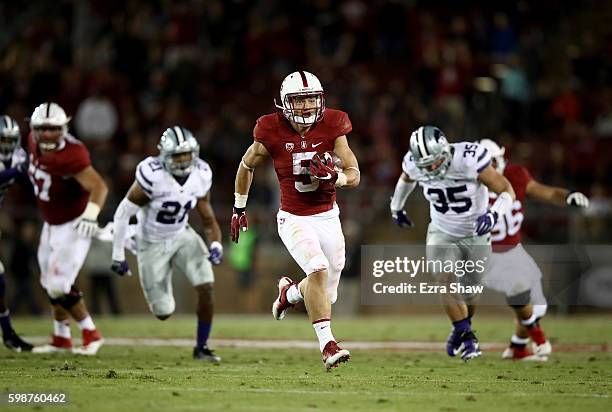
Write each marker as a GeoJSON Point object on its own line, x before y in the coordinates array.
{"type": "Point", "coordinates": [166, 214]}
{"type": "Point", "coordinates": [458, 198]}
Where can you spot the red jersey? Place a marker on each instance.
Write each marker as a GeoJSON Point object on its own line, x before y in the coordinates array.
{"type": "Point", "coordinates": [59, 196]}
{"type": "Point", "coordinates": [291, 154]}
{"type": "Point", "coordinates": [507, 230]}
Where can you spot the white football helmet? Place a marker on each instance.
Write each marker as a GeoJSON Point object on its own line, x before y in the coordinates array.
{"type": "Point", "coordinates": [497, 153]}
{"type": "Point", "coordinates": [177, 140]}
{"type": "Point", "coordinates": [9, 137]}
{"type": "Point", "coordinates": [49, 115]}
{"type": "Point", "coordinates": [301, 84]}
{"type": "Point", "coordinates": [431, 151]}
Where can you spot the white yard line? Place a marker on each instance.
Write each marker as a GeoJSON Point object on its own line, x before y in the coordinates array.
{"type": "Point", "coordinates": [373, 394]}
{"type": "Point", "coordinates": [312, 344]}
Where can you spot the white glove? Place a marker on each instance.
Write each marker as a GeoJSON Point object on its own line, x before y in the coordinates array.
{"type": "Point", "coordinates": [87, 223]}
{"type": "Point", "coordinates": [577, 199]}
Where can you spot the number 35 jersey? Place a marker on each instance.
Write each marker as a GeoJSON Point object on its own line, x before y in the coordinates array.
{"type": "Point", "coordinates": [458, 198]}
{"type": "Point", "coordinates": [166, 214]}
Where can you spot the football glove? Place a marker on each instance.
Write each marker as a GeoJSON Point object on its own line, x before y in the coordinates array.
{"type": "Point", "coordinates": [215, 251]}
{"type": "Point", "coordinates": [87, 223]}
{"type": "Point", "coordinates": [577, 199]}
{"type": "Point", "coordinates": [485, 223]}
{"type": "Point", "coordinates": [400, 217]}
{"type": "Point", "coordinates": [322, 169]}
{"type": "Point", "coordinates": [239, 221]}
{"type": "Point", "coordinates": [121, 268]}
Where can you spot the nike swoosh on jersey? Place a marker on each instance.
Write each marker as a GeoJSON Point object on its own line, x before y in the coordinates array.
{"type": "Point", "coordinates": [315, 145]}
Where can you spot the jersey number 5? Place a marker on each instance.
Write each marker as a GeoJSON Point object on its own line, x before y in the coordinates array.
{"type": "Point", "coordinates": [442, 201]}
{"type": "Point", "coordinates": [303, 181]}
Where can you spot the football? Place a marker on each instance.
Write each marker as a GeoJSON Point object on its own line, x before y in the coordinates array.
{"type": "Point", "coordinates": [332, 158]}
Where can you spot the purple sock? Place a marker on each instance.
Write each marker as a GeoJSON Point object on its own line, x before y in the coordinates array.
{"type": "Point", "coordinates": [463, 325]}
{"type": "Point", "coordinates": [203, 332]}
{"type": "Point", "coordinates": [5, 319]}
{"type": "Point", "coordinates": [2, 285]}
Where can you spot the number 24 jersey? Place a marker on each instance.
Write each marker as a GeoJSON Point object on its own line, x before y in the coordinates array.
{"type": "Point", "coordinates": [458, 198]}
{"type": "Point", "coordinates": [166, 214]}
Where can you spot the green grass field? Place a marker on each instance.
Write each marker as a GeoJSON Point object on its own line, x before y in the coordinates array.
{"type": "Point", "coordinates": [130, 378]}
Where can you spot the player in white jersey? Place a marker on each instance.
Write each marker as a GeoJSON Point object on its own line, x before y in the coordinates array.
{"type": "Point", "coordinates": [455, 179]}
{"type": "Point", "coordinates": [13, 162]}
{"type": "Point", "coordinates": [166, 188]}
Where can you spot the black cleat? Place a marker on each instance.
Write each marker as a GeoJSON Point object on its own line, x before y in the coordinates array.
{"type": "Point", "coordinates": [205, 354]}
{"type": "Point", "coordinates": [15, 343]}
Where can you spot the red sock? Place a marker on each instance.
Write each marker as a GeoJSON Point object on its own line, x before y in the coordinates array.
{"type": "Point", "coordinates": [536, 334]}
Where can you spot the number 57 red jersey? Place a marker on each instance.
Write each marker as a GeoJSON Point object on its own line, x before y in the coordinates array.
{"type": "Point", "coordinates": [59, 195]}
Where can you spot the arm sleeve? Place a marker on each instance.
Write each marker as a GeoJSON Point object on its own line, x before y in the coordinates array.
{"type": "Point", "coordinates": [503, 204]}
{"type": "Point", "coordinates": [121, 220]}
{"type": "Point", "coordinates": [402, 191]}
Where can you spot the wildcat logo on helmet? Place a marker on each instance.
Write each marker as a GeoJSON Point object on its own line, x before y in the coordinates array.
{"type": "Point", "coordinates": [289, 147]}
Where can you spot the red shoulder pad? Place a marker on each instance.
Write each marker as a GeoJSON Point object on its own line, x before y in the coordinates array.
{"type": "Point", "coordinates": [338, 122]}
{"type": "Point", "coordinates": [517, 174]}
{"type": "Point", "coordinates": [74, 158]}
{"type": "Point", "coordinates": [264, 127]}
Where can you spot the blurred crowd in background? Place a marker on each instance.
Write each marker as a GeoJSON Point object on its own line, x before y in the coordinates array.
{"type": "Point", "coordinates": [535, 76]}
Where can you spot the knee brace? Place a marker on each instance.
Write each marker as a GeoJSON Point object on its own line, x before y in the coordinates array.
{"type": "Point", "coordinates": [520, 300]}
{"type": "Point", "coordinates": [69, 300]}
{"type": "Point", "coordinates": [539, 311]}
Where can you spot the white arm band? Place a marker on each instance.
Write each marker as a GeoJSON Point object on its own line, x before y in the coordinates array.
{"type": "Point", "coordinates": [240, 201]}
{"type": "Point", "coordinates": [250, 169]}
{"type": "Point", "coordinates": [121, 220]}
{"type": "Point", "coordinates": [503, 204]}
{"type": "Point", "coordinates": [341, 180]}
{"type": "Point", "coordinates": [402, 191]}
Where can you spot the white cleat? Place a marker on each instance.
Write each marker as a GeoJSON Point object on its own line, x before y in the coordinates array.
{"type": "Point", "coordinates": [89, 350]}
{"type": "Point", "coordinates": [281, 305]}
{"type": "Point", "coordinates": [544, 349]}
{"type": "Point", "coordinates": [92, 342]}
{"type": "Point", "coordinates": [333, 355]}
{"type": "Point", "coordinates": [57, 345]}
{"type": "Point", "coordinates": [522, 355]}
{"type": "Point", "coordinates": [50, 349]}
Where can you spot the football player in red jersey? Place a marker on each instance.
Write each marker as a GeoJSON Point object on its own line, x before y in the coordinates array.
{"type": "Point", "coordinates": [511, 270]}
{"type": "Point", "coordinates": [298, 138]}
{"type": "Point", "coordinates": [70, 194]}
